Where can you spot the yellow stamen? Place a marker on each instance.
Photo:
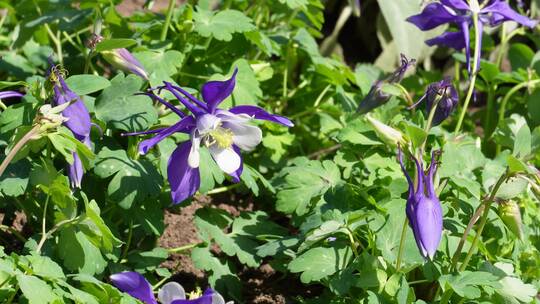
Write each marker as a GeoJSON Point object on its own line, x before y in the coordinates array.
{"type": "Point", "coordinates": [222, 137]}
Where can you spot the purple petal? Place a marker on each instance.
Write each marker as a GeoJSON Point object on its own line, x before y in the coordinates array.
{"type": "Point", "coordinates": [214, 92]}
{"type": "Point", "coordinates": [453, 40]}
{"type": "Point", "coordinates": [433, 15]}
{"type": "Point", "coordinates": [456, 4]}
{"type": "Point", "coordinates": [10, 94]}
{"type": "Point", "coordinates": [429, 222]}
{"type": "Point", "coordinates": [185, 125]}
{"type": "Point", "coordinates": [259, 113]}
{"type": "Point", "coordinates": [75, 171]}
{"type": "Point", "coordinates": [79, 121]}
{"type": "Point", "coordinates": [236, 175]}
{"type": "Point", "coordinates": [501, 8]}
{"type": "Point", "coordinates": [135, 285]}
{"type": "Point", "coordinates": [184, 180]}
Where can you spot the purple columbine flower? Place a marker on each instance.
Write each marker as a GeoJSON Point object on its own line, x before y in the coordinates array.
{"type": "Point", "coordinates": [459, 13]}
{"type": "Point", "coordinates": [447, 97]}
{"type": "Point", "coordinates": [134, 284]}
{"type": "Point", "coordinates": [224, 132]}
{"type": "Point", "coordinates": [423, 208]}
{"type": "Point", "coordinates": [78, 121]}
{"type": "Point", "coordinates": [376, 96]}
{"type": "Point", "coordinates": [124, 60]}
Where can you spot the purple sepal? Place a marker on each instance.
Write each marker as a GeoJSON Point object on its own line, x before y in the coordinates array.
{"type": "Point", "coordinates": [214, 92]}
{"type": "Point", "coordinates": [184, 180]}
{"type": "Point", "coordinates": [135, 285]}
{"type": "Point", "coordinates": [184, 126]}
{"type": "Point", "coordinates": [259, 113]}
{"type": "Point", "coordinates": [10, 94]}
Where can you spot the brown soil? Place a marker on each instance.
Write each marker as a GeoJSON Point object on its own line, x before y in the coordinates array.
{"type": "Point", "coordinates": [128, 7]}
{"type": "Point", "coordinates": [262, 285]}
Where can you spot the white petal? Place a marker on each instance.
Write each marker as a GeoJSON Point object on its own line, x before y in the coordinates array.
{"type": "Point", "coordinates": [227, 159]}
{"type": "Point", "coordinates": [207, 122]}
{"type": "Point", "coordinates": [194, 157]}
{"type": "Point", "coordinates": [170, 292]}
{"type": "Point", "coordinates": [217, 298]}
{"type": "Point", "coordinates": [246, 136]}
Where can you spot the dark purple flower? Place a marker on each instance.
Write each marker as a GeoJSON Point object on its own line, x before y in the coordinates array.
{"type": "Point", "coordinates": [223, 132]}
{"type": "Point", "coordinates": [78, 121]}
{"type": "Point", "coordinates": [138, 287]}
{"type": "Point", "coordinates": [376, 96]}
{"type": "Point", "coordinates": [423, 208]}
{"type": "Point", "coordinates": [124, 60]}
{"type": "Point", "coordinates": [459, 13]}
{"type": "Point", "coordinates": [446, 96]}
{"type": "Point", "coordinates": [10, 94]}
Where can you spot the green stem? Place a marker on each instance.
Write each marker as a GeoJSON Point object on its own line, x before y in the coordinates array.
{"type": "Point", "coordinates": [54, 229]}
{"type": "Point", "coordinates": [504, 102]}
{"type": "Point", "coordinates": [3, 106]}
{"type": "Point", "coordinates": [183, 248]}
{"type": "Point", "coordinates": [16, 233]}
{"type": "Point", "coordinates": [502, 46]}
{"type": "Point", "coordinates": [168, 18]}
{"type": "Point", "coordinates": [223, 189]}
{"type": "Point", "coordinates": [43, 225]}
{"type": "Point", "coordinates": [474, 71]}
{"type": "Point", "coordinates": [18, 146]}
{"type": "Point", "coordinates": [128, 243]}
{"type": "Point", "coordinates": [402, 243]}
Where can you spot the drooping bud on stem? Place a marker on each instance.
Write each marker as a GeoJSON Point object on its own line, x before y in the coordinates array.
{"type": "Point", "coordinates": [386, 133]}
{"type": "Point", "coordinates": [124, 60]}
{"type": "Point", "coordinates": [510, 214]}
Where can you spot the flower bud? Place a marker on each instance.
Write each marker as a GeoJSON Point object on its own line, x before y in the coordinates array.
{"type": "Point", "coordinates": [124, 60]}
{"type": "Point", "coordinates": [376, 95]}
{"type": "Point", "coordinates": [386, 133]}
{"type": "Point", "coordinates": [511, 216]}
{"type": "Point", "coordinates": [444, 96]}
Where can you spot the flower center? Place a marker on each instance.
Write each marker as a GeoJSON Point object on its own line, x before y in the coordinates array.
{"type": "Point", "coordinates": [221, 137]}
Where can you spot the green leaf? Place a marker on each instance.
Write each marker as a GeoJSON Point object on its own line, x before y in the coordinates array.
{"type": "Point", "coordinates": [522, 145]}
{"type": "Point", "coordinates": [14, 181]}
{"type": "Point", "coordinates": [35, 290]}
{"type": "Point", "coordinates": [222, 276]}
{"type": "Point", "coordinates": [520, 56]}
{"type": "Point", "coordinates": [111, 44]}
{"type": "Point", "coordinates": [45, 267]}
{"type": "Point", "coordinates": [160, 65]}
{"type": "Point", "coordinates": [78, 253]}
{"type": "Point", "coordinates": [16, 115]}
{"type": "Point", "coordinates": [304, 181]}
{"type": "Point", "coordinates": [416, 134]}
{"type": "Point", "coordinates": [467, 284]}
{"type": "Point", "coordinates": [277, 144]}
{"type": "Point", "coordinates": [321, 262]}
{"type": "Point", "coordinates": [86, 84]}
{"type": "Point", "coordinates": [97, 230]}
{"type": "Point", "coordinates": [121, 109]}
{"type": "Point", "coordinates": [221, 25]}
{"type": "Point", "coordinates": [133, 181]}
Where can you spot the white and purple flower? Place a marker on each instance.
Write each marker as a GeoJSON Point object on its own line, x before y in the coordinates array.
{"type": "Point", "coordinates": [224, 132]}
{"type": "Point", "coordinates": [460, 13]}
{"type": "Point", "coordinates": [423, 208]}
{"type": "Point", "coordinates": [134, 284]}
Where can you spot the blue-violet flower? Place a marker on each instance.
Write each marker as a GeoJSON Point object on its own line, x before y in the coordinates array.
{"type": "Point", "coordinates": [134, 284]}
{"type": "Point", "coordinates": [460, 13]}
{"type": "Point", "coordinates": [423, 207]}
{"type": "Point", "coordinates": [444, 95]}
{"type": "Point", "coordinates": [223, 132]}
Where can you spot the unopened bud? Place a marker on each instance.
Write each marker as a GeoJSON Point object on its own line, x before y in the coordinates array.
{"type": "Point", "coordinates": [511, 216]}
{"type": "Point", "coordinates": [124, 60]}
{"type": "Point", "coordinates": [386, 133]}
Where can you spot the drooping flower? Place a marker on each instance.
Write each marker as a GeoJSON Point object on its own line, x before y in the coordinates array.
{"type": "Point", "coordinates": [376, 96]}
{"type": "Point", "coordinates": [423, 207]}
{"type": "Point", "coordinates": [78, 121]}
{"type": "Point", "coordinates": [460, 13]}
{"type": "Point", "coordinates": [124, 60]}
{"type": "Point", "coordinates": [134, 284]}
{"type": "Point", "coordinates": [224, 132]}
{"type": "Point", "coordinates": [444, 95]}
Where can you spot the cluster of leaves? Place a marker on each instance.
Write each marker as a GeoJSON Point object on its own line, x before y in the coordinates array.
{"type": "Point", "coordinates": [332, 181]}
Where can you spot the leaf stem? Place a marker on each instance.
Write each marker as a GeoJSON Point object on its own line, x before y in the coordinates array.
{"type": "Point", "coordinates": [474, 72]}
{"type": "Point", "coordinates": [183, 248]}
{"type": "Point", "coordinates": [165, 28]}
{"type": "Point", "coordinates": [402, 243]}
{"type": "Point", "coordinates": [26, 138]}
